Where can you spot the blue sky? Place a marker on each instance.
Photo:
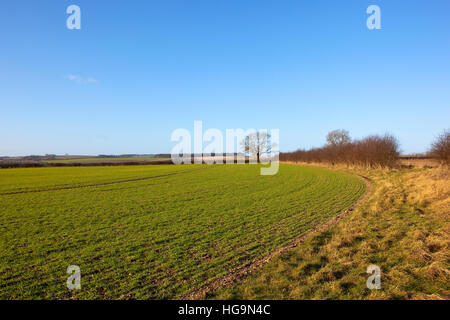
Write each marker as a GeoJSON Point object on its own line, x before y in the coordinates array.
{"type": "Point", "coordinates": [137, 70]}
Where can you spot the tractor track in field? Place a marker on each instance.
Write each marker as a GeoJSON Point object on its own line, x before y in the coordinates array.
{"type": "Point", "coordinates": [242, 272]}
{"type": "Point", "coordinates": [99, 184]}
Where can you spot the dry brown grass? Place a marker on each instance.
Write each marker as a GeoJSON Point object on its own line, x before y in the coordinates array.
{"type": "Point", "coordinates": [419, 163]}
{"type": "Point", "coordinates": [404, 228]}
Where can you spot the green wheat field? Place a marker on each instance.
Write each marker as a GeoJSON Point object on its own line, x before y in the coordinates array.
{"type": "Point", "coordinates": [153, 232]}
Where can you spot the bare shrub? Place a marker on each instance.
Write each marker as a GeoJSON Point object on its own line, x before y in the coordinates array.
{"type": "Point", "coordinates": [440, 148]}
{"type": "Point", "coordinates": [372, 151]}
{"type": "Point", "coordinates": [376, 151]}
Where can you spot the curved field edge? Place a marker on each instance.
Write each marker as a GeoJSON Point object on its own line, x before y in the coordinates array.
{"type": "Point", "coordinates": [159, 238]}
{"type": "Point", "coordinates": [243, 272]}
{"type": "Point", "coordinates": [403, 227]}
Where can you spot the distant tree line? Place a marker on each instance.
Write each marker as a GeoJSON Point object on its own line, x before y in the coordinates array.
{"type": "Point", "coordinates": [39, 158]}
{"type": "Point", "coordinates": [372, 151]}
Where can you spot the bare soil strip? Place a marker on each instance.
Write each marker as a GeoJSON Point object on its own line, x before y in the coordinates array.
{"type": "Point", "coordinates": [99, 184]}
{"type": "Point", "coordinates": [243, 272]}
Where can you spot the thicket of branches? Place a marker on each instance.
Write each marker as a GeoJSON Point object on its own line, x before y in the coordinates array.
{"type": "Point", "coordinates": [372, 151]}
{"type": "Point", "coordinates": [440, 148]}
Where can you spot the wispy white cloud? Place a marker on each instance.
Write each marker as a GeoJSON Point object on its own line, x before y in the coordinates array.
{"type": "Point", "coordinates": [79, 79]}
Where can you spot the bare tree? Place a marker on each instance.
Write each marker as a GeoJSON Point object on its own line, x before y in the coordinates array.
{"type": "Point", "coordinates": [337, 142]}
{"type": "Point", "coordinates": [441, 147]}
{"type": "Point", "coordinates": [257, 144]}
{"type": "Point", "coordinates": [338, 137]}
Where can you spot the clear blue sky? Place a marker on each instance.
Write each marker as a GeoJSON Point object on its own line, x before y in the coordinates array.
{"type": "Point", "coordinates": [137, 70]}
